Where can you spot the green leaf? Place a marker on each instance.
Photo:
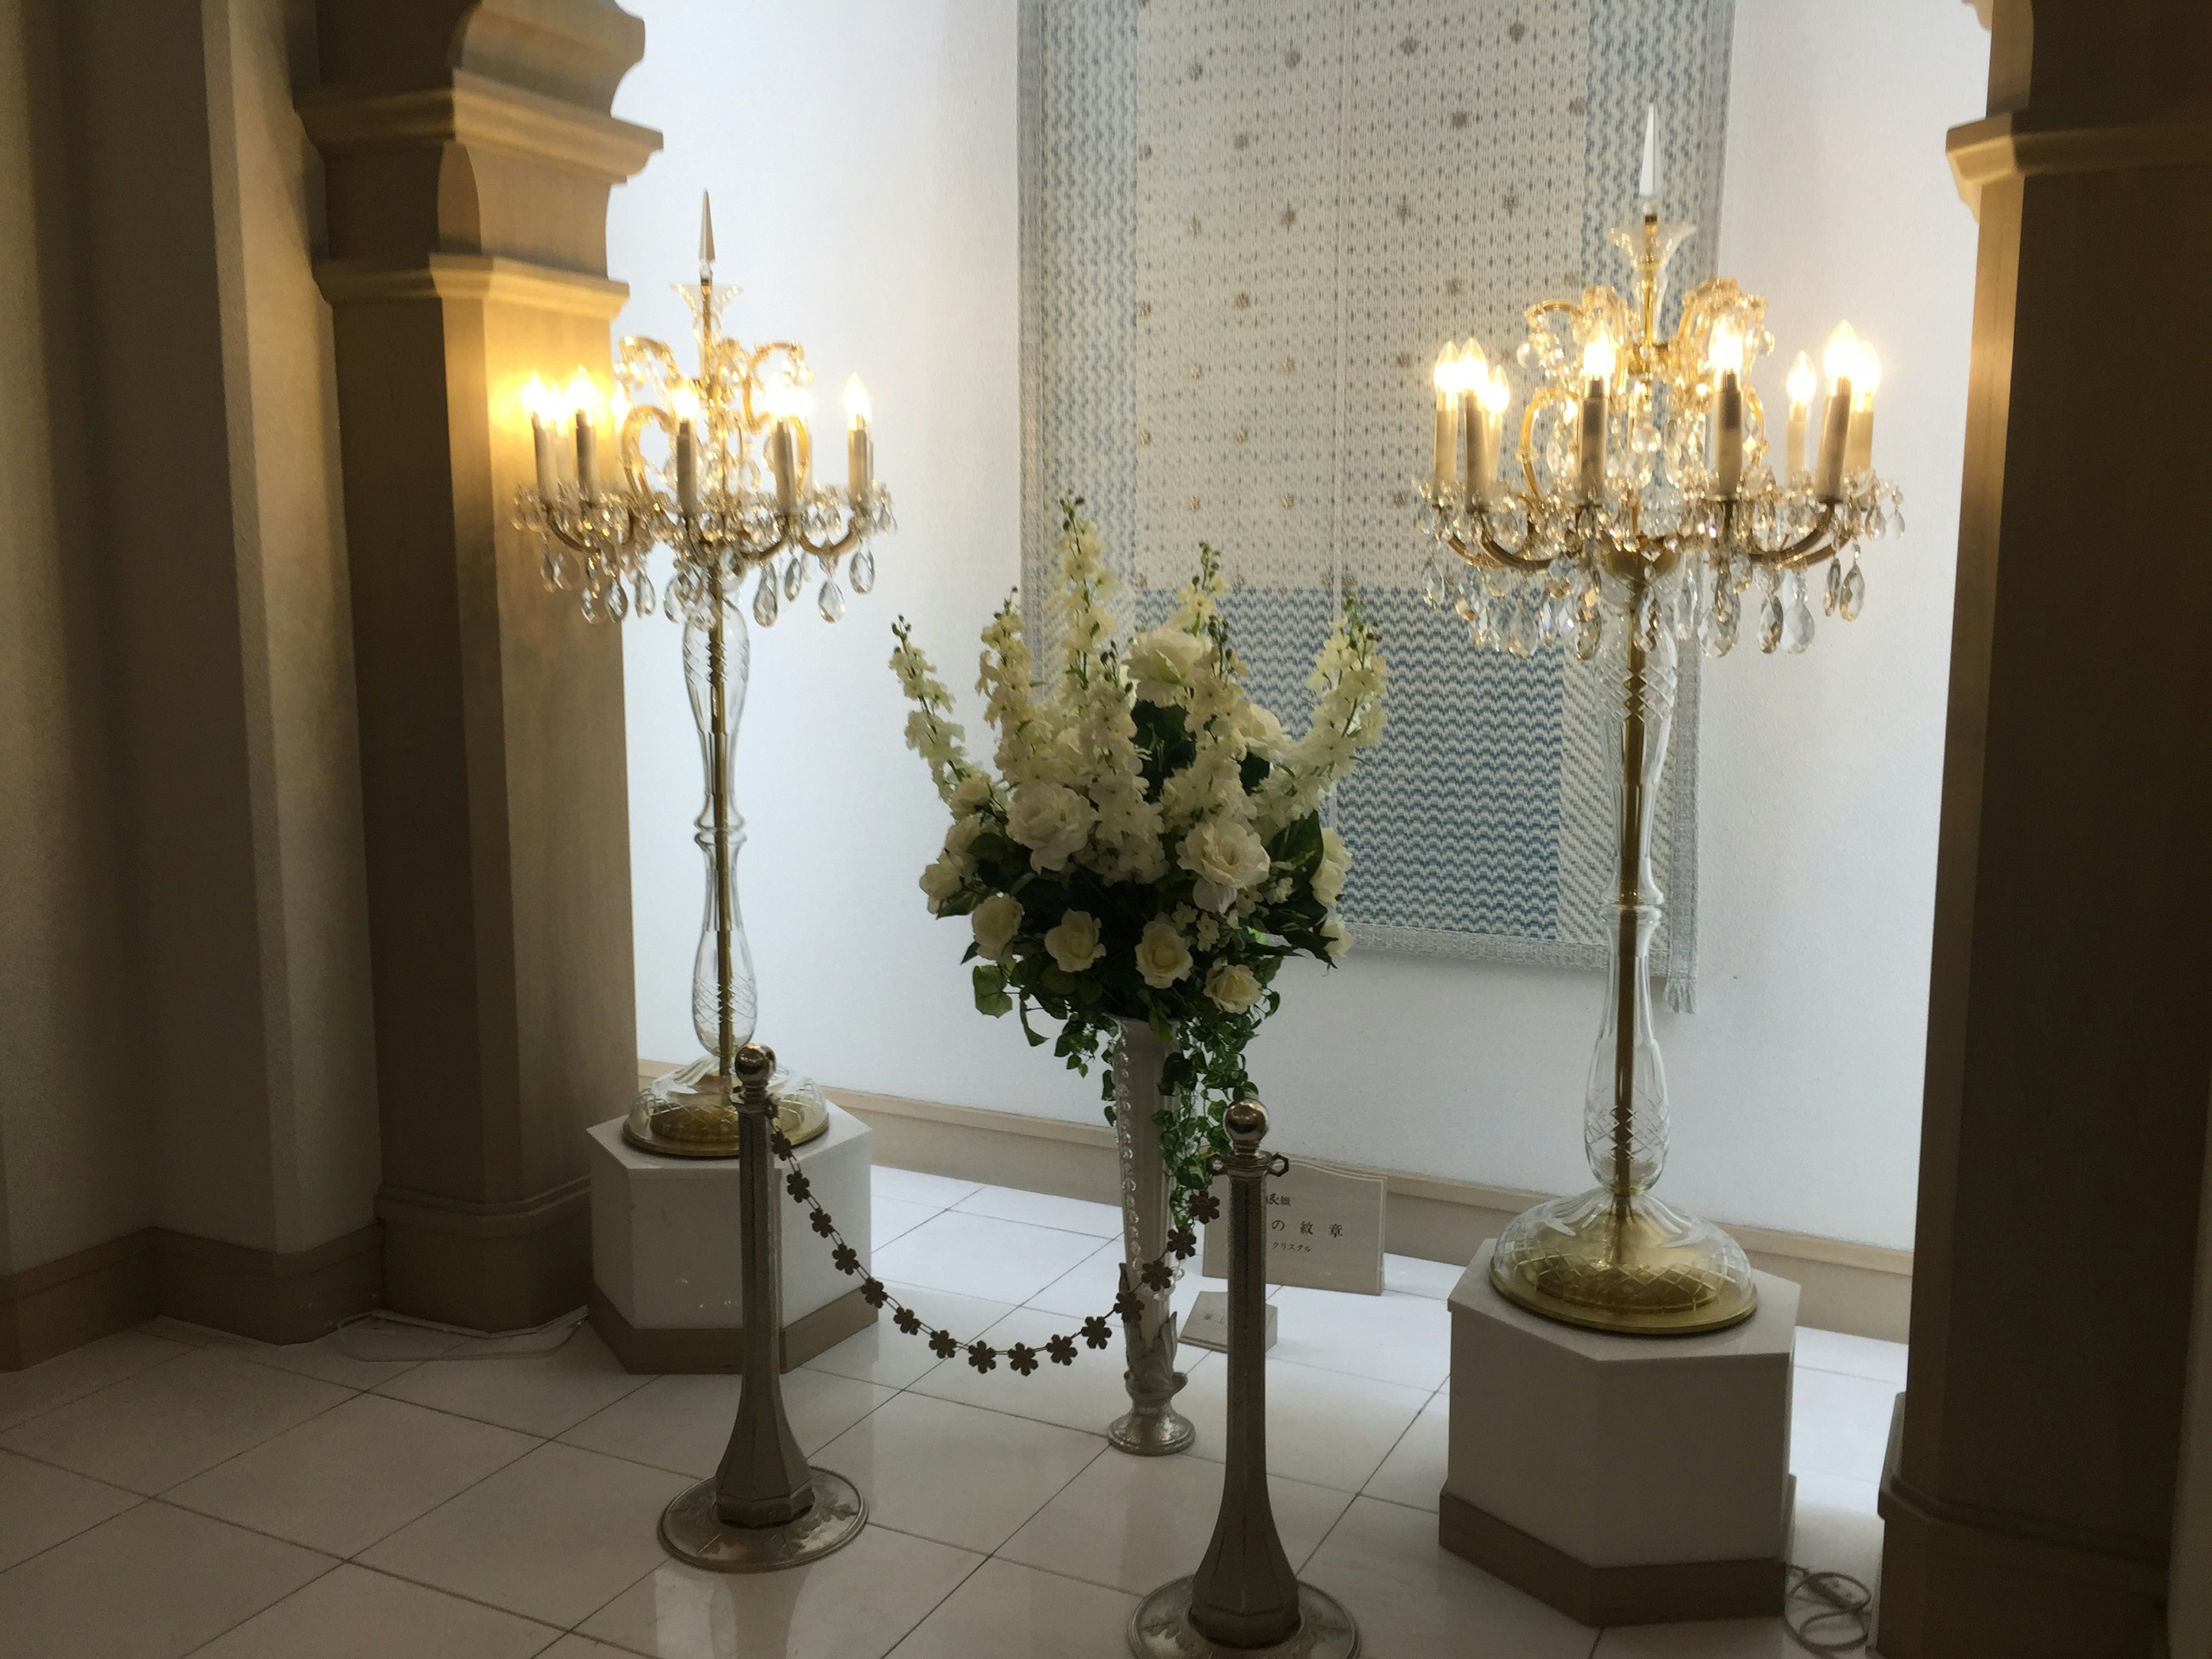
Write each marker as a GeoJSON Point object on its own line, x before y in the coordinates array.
{"type": "Point", "coordinates": [991, 998]}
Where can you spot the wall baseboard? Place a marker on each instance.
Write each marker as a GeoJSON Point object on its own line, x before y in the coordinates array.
{"type": "Point", "coordinates": [1861, 1288]}
{"type": "Point", "coordinates": [293, 1297]}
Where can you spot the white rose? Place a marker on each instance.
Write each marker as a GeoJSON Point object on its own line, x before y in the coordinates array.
{"type": "Point", "coordinates": [1074, 943]}
{"type": "Point", "coordinates": [995, 920]}
{"type": "Point", "coordinates": [1336, 937]}
{"type": "Point", "coordinates": [1051, 820]}
{"type": "Point", "coordinates": [942, 880]}
{"type": "Point", "coordinates": [1163, 663]}
{"type": "Point", "coordinates": [1224, 856]}
{"type": "Point", "coordinates": [1162, 956]}
{"type": "Point", "coordinates": [962, 837]}
{"type": "Point", "coordinates": [1335, 864]}
{"type": "Point", "coordinates": [970, 793]}
{"type": "Point", "coordinates": [1261, 731]}
{"type": "Point", "coordinates": [1233, 987]}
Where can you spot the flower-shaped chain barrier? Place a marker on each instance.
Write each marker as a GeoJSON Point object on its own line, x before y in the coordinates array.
{"type": "Point", "coordinates": [1095, 1332]}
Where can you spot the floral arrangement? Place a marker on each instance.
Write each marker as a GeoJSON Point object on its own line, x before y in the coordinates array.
{"type": "Point", "coordinates": [1150, 847]}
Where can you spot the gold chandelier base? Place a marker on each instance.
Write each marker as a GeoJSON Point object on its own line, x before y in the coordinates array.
{"type": "Point", "coordinates": [1629, 1265]}
{"type": "Point", "coordinates": [688, 1112]}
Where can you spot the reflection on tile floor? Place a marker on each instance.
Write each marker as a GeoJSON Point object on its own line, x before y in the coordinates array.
{"type": "Point", "coordinates": [404, 1499]}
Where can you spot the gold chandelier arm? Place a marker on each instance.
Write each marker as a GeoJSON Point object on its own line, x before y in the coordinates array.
{"type": "Point", "coordinates": [633, 452]}
{"type": "Point", "coordinates": [1488, 547]}
{"type": "Point", "coordinates": [1814, 545]}
{"type": "Point", "coordinates": [853, 537]}
{"type": "Point", "coordinates": [1538, 399]}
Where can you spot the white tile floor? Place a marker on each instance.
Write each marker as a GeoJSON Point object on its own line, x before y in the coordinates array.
{"type": "Point", "coordinates": [171, 1491]}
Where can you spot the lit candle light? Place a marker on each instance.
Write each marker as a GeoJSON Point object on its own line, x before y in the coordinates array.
{"type": "Point", "coordinates": [538, 397]}
{"type": "Point", "coordinates": [1726, 353]}
{"type": "Point", "coordinates": [1840, 361]}
{"type": "Point", "coordinates": [788, 405]}
{"type": "Point", "coordinates": [1444, 461]}
{"type": "Point", "coordinates": [685, 403]}
{"type": "Point", "coordinates": [859, 441]}
{"type": "Point", "coordinates": [582, 396]}
{"type": "Point", "coordinates": [1597, 373]}
{"type": "Point", "coordinates": [1473, 423]}
{"type": "Point", "coordinates": [1495, 396]}
{"type": "Point", "coordinates": [1802, 384]}
{"type": "Point", "coordinates": [1858, 448]}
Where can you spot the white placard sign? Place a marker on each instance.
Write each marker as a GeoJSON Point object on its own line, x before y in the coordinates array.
{"type": "Point", "coordinates": [1324, 1230]}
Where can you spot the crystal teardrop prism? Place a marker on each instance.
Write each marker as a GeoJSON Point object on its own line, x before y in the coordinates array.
{"type": "Point", "coordinates": [1432, 583]}
{"type": "Point", "coordinates": [1797, 625]}
{"type": "Point", "coordinates": [862, 570]}
{"type": "Point", "coordinates": [1728, 612]}
{"type": "Point", "coordinates": [1833, 593]}
{"type": "Point", "coordinates": [588, 601]}
{"type": "Point", "coordinates": [766, 602]}
{"type": "Point", "coordinates": [794, 578]}
{"type": "Point", "coordinates": [1521, 630]}
{"type": "Point", "coordinates": [617, 600]}
{"type": "Point", "coordinates": [830, 602]}
{"type": "Point", "coordinates": [1854, 595]}
{"type": "Point", "coordinates": [1589, 633]}
{"type": "Point", "coordinates": [1770, 622]}
{"type": "Point", "coordinates": [642, 595]}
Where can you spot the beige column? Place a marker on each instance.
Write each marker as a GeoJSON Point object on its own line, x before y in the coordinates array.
{"type": "Point", "coordinates": [468, 154]}
{"type": "Point", "coordinates": [2030, 1494]}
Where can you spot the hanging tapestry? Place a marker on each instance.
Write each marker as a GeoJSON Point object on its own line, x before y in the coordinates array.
{"type": "Point", "coordinates": [1248, 226]}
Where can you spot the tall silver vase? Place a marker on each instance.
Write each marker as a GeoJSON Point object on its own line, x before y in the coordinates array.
{"type": "Point", "coordinates": [1152, 1427]}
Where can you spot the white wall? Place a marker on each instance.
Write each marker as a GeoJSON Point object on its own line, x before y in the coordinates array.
{"type": "Point", "coordinates": [863, 154]}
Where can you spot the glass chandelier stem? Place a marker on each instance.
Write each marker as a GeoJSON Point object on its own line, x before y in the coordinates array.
{"type": "Point", "coordinates": [717, 656]}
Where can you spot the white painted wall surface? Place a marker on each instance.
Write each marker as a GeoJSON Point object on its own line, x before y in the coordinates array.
{"type": "Point", "coordinates": [863, 156]}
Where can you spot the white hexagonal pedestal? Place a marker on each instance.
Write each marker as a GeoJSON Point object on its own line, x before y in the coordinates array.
{"type": "Point", "coordinates": [666, 1252]}
{"type": "Point", "coordinates": [1624, 1480]}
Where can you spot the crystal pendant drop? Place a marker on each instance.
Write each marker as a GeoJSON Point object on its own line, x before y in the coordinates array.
{"type": "Point", "coordinates": [1432, 583]}
{"type": "Point", "coordinates": [862, 570]}
{"type": "Point", "coordinates": [1479, 627]}
{"type": "Point", "coordinates": [643, 596]}
{"type": "Point", "coordinates": [1728, 612]}
{"type": "Point", "coordinates": [1797, 625]}
{"type": "Point", "coordinates": [1686, 608]}
{"type": "Point", "coordinates": [1854, 595]}
{"type": "Point", "coordinates": [794, 578]}
{"type": "Point", "coordinates": [588, 603]}
{"type": "Point", "coordinates": [830, 602]}
{"type": "Point", "coordinates": [1833, 592]}
{"type": "Point", "coordinates": [1647, 621]}
{"type": "Point", "coordinates": [1589, 633]}
{"type": "Point", "coordinates": [617, 600]}
{"type": "Point", "coordinates": [765, 602]}
{"type": "Point", "coordinates": [1521, 630]}
{"type": "Point", "coordinates": [550, 569]}
{"type": "Point", "coordinates": [1770, 622]}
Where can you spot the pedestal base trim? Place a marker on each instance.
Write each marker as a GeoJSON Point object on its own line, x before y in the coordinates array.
{"type": "Point", "coordinates": [1160, 1628]}
{"type": "Point", "coordinates": [1610, 1595]}
{"type": "Point", "coordinates": [691, 1531]}
{"type": "Point", "coordinates": [663, 1350]}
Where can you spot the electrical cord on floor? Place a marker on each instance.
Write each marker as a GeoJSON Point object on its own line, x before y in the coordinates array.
{"type": "Point", "coordinates": [1839, 1619]}
{"type": "Point", "coordinates": [562, 1328]}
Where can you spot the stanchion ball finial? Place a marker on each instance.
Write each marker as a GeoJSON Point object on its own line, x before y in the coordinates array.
{"type": "Point", "coordinates": [1247, 1123]}
{"type": "Point", "coordinates": [755, 1060]}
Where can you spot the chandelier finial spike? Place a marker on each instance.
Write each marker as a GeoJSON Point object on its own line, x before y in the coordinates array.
{"type": "Point", "coordinates": [706, 236]}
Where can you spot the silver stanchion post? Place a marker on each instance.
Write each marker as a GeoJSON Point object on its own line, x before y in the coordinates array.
{"type": "Point", "coordinates": [765, 1507]}
{"type": "Point", "coordinates": [1244, 1599]}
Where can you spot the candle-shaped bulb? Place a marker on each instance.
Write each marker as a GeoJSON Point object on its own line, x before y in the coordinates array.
{"type": "Point", "coordinates": [582, 396]}
{"type": "Point", "coordinates": [684, 403]}
{"type": "Point", "coordinates": [1868, 379]}
{"type": "Point", "coordinates": [1726, 350]}
{"type": "Point", "coordinates": [1496, 393]}
{"type": "Point", "coordinates": [1647, 181]}
{"type": "Point", "coordinates": [1474, 367]}
{"type": "Point", "coordinates": [1443, 457]}
{"type": "Point", "coordinates": [1840, 360]}
{"type": "Point", "coordinates": [859, 441]}
{"type": "Point", "coordinates": [706, 233]}
{"type": "Point", "coordinates": [1802, 382]}
{"type": "Point", "coordinates": [618, 410]}
{"type": "Point", "coordinates": [1598, 357]}
{"type": "Point", "coordinates": [538, 398]}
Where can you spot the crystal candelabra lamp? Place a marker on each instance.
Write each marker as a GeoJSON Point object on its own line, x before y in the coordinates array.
{"type": "Point", "coordinates": [1650, 514]}
{"type": "Point", "coordinates": [716, 466]}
